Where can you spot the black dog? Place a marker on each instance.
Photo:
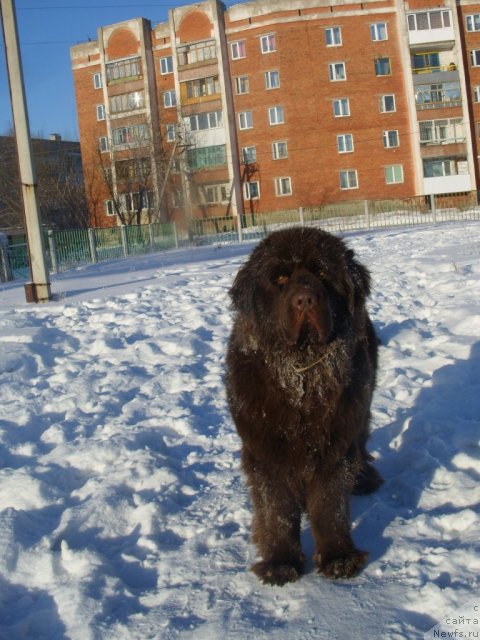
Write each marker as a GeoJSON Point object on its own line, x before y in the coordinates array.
{"type": "Point", "coordinates": [301, 367]}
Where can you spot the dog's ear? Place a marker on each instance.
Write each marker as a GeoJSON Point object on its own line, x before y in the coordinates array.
{"type": "Point", "coordinates": [241, 291]}
{"type": "Point", "coordinates": [360, 281]}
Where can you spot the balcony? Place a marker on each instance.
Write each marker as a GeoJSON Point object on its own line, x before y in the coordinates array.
{"type": "Point", "coordinates": [430, 27]}
{"type": "Point", "coordinates": [446, 175]}
{"type": "Point", "coordinates": [437, 95]}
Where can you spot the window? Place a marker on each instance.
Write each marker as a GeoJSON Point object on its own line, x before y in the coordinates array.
{"type": "Point", "coordinates": [166, 65]}
{"type": "Point", "coordinates": [127, 101]}
{"type": "Point", "coordinates": [203, 121]}
{"type": "Point", "coordinates": [382, 67]}
{"type": "Point", "coordinates": [171, 133]}
{"type": "Point", "coordinates": [276, 115]}
{"type": "Point", "coordinates": [387, 103]}
{"type": "Point", "coordinates": [245, 120]}
{"type": "Point", "coordinates": [201, 87]}
{"type": "Point", "coordinates": [423, 20]}
{"type": "Point", "coordinates": [169, 99]}
{"type": "Point", "coordinates": [473, 22]}
{"type": "Point", "coordinates": [475, 57]}
{"type": "Point", "coordinates": [337, 71]}
{"type": "Point", "coordinates": [100, 112]}
{"type": "Point", "coordinates": [390, 139]}
{"type": "Point", "coordinates": [197, 52]}
{"type": "Point", "coordinates": [123, 70]}
{"type": "Point", "coordinates": [333, 37]}
{"type": "Point", "coordinates": [444, 131]}
{"type": "Point", "coordinates": [279, 150]}
{"type": "Point", "coordinates": [204, 157]}
{"type": "Point", "coordinates": [238, 50]}
{"type": "Point", "coordinates": [348, 179]}
{"type": "Point", "coordinates": [103, 144]}
{"type": "Point", "coordinates": [345, 143]}
{"type": "Point", "coordinates": [251, 190]}
{"type": "Point", "coordinates": [476, 94]}
{"type": "Point", "coordinates": [135, 135]}
{"type": "Point", "coordinates": [426, 62]}
{"type": "Point", "coordinates": [216, 193]}
{"type": "Point", "coordinates": [430, 94]}
{"type": "Point", "coordinates": [283, 186]}
{"type": "Point", "coordinates": [341, 107]}
{"type": "Point", "coordinates": [242, 85]}
{"type": "Point", "coordinates": [133, 170]}
{"type": "Point", "coordinates": [378, 31]}
{"type": "Point", "coordinates": [97, 80]}
{"type": "Point", "coordinates": [109, 208]}
{"type": "Point", "coordinates": [394, 174]}
{"type": "Point", "coordinates": [249, 154]}
{"type": "Point", "coordinates": [268, 43]}
{"type": "Point", "coordinates": [272, 79]}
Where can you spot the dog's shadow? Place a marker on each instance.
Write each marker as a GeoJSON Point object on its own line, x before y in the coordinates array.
{"type": "Point", "coordinates": [439, 429]}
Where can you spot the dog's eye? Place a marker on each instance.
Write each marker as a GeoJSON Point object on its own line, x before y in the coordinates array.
{"type": "Point", "coordinates": [281, 280]}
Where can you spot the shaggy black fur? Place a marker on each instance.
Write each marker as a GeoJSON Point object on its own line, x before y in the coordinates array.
{"type": "Point", "coordinates": [301, 369]}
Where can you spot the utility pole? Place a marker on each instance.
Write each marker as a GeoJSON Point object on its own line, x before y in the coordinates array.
{"type": "Point", "coordinates": [39, 289]}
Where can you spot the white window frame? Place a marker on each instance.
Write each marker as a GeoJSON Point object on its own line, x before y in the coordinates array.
{"type": "Point", "coordinates": [109, 208]}
{"type": "Point", "coordinates": [345, 143]}
{"type": "Point", "coordinates": [171, 132]}
{"type": "Point", "coordinates": [276, 150]}
{"type": "Point", "coordinates": [220, 193]}
{"type": "Point", "coordinates": [475, 57]}
{"type": "Point", "coordinates": [248, 155]}
{"type": "Point", "coordinates": [97, 81]}
{"type": "Point", "coordinates": [276, 115]}
{"type": "Point", "coordinates": [169, 99]}
{"type": "Point", "coordinates": [103, 144]}
{"type": "Point", "coordinates": [166, 65]}
{"type": "Point", "coordinates": [472, 22]}
{"type": "Point", "coordinates": [272, 79]}
{"type": "Point", "coordinates": [242, 85]}
{"type": "Point", "coordinates": [349, 174]}
{"type": "Point", "coordinates": [238, 50]}
{"type": "Point", "coordinates": [245, 120]}
{"type": "Point", "coordinates": [268, 43]}
{"type": "Point", "coordinates": [283, 186]}
{"type": "Point", "coordinates": [337, 71]}
{"type": "Point", "coordinates": [341, 102]}
{"type": "Point", "coordinates": [376, 31]}
{"type": "Point", "coordinates": [476, 93]}
{"type": "Point", "coordinates": [100, 112]}
{"type": "Point", "coordinates": [388, 143]}
{"type": "Point", "coordinates": [382, 105]}
{"type": "Point", "coordinates": [392, 168]}
{"type": "Point", "coordinates": [247, 189]}
{"type": "Point", "coordinates": [333, 36]}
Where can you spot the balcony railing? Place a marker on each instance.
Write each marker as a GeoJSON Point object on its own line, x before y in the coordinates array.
{"type": "Point", "coordinates": [439, 68]}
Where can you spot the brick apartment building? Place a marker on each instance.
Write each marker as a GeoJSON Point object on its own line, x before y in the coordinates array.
{"type": "Point", "coordinates": [275, 104]}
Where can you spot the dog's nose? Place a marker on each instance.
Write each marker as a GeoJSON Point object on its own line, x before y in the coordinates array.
{"type": "Point", "coordinates": [304, 300]}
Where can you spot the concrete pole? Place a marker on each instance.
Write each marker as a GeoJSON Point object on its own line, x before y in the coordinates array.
{"type": "Point", "coordinates": [39, 289]}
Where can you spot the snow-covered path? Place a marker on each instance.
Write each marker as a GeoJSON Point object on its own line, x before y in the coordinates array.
{"type": "Point", "coordinates": [123, 513]}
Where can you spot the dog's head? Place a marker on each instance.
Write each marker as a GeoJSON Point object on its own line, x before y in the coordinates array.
{"type": "Point", "coordinates": [300, 286]}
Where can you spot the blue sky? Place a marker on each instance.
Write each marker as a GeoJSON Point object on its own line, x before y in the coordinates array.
{"type": "Point", "coordinates": [47, 30]}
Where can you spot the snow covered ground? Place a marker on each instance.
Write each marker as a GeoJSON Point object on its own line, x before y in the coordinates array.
{"type": "Point", "coordinates": [123, 513]}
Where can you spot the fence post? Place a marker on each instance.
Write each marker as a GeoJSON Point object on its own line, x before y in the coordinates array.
{"type": "Point", "coordinates": [175, 234]}
{"type": "Point", "coordinates": [123, 230]}
{"type": "Point", "coordinates": [92, 243]}
{"type": "Point", "coordinates": [6, 276]}
{"type": "Point", "coordinates": [302, 217]}
{"type": "Point", "coordinates": [367, 214]}
{"type": "Point", "coordinates": [52, 245]}
{"type": "Point", "coordinates": [151, 237]}
{"type": "Point", "coordinates": [433, 208]}
{"type": "Point", "coordinates": [239, 228]}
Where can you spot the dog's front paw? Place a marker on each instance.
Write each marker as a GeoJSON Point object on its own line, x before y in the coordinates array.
{"type": "Point", "coordinates": [276, 573]}
{"type": "Point", "coordinates": [339, 566]}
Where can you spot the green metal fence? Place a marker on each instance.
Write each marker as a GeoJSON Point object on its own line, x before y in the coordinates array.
{"type": "Point", "coordinates": [70, 248]}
